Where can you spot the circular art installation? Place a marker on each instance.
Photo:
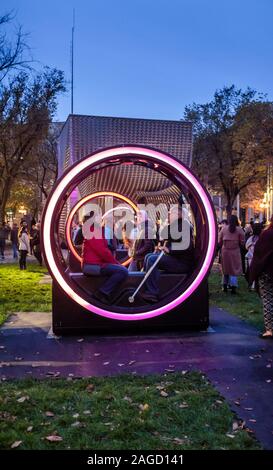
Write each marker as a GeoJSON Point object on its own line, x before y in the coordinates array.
{"type": "Point", "coordinates": [120, 157]}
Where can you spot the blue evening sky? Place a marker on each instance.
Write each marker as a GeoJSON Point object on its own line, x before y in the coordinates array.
{"type": "Point", "coordinates": [149, 58]}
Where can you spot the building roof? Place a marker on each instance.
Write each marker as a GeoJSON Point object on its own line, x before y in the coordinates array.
{"type": "Point", "coordinates": [82, 135]}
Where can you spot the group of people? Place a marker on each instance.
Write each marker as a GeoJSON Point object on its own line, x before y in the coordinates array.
{"type": "Point", "coordinates": [255, 245]}
{"type": "Point", "coordinates": [23, 240]}
{"type": "Point", "coordinates": [98, 255]}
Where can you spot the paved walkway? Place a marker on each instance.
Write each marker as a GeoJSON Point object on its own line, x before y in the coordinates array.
{"type": "Point", "coordinates": [237, 362]}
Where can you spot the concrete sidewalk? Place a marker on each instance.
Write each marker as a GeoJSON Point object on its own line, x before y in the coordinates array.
{"type": "Point", "coordinates": [236, 361]}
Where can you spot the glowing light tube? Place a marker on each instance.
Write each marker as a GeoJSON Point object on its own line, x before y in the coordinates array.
{"type": "Point", "coordinates": [99, 157]}
{"type": "Point", "coordinates": [83, 201]}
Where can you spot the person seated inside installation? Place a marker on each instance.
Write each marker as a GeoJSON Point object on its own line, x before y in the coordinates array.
{"type": "Point", "coordinates": [143, 243]}
{"type": "Point", "coordinates": [178, 249]}
{"type": "Point", "coordinates": [97, 260]}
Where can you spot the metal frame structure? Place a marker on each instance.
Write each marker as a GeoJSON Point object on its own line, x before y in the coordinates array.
{"type": "Point", "coordinates": [72, 310]}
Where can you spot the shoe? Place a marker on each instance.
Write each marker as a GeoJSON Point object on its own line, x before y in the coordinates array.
{"type": "Point", "coordinates": [233, 290]}
{"type": "Point", "coordinates": [224, 287]}
{"type": "Point", "coordinates": [101, 297]}
{"type": "Point", "coordinates": [150, 298]}
{"type": "Point", "coordinates": [264, 336]}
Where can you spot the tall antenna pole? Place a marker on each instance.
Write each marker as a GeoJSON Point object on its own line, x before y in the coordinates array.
{"type": "Point", "coordinates": [72, 63]}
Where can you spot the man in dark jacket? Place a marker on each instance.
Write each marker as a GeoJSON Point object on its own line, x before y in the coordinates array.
{"type": "Point", "coordinates": [14, 240]}
{"type": "Point", "coordinates": [178, 253]}
{"type": "Point", "coordinates": [36, 244]}
{"type": "Point", "coordinates": [2, 241]}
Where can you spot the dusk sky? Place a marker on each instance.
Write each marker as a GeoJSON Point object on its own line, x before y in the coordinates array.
{"type": "Point", "coordinates": [150, 58]}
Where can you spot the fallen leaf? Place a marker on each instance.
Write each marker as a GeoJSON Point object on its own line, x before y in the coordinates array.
{"type": "Point", "coordinates": [269, 366]}
{"type": "Point", "coordinates": [219, 402]}
{"type": "Point", "coordinates": [230, 435]}
{"type": "Point", "coordinates": [144, 407]}
{"type": "Point", "coordinates": [169, 370]}
{"type": "Point", "coordinates": [237, 403]}
{"type": "Point", "coordinates": [120, 365]}
{"type": "Point", "coordinates": [106, 363]}
{"type": "Point", "coordinates": [80, 340]}
{"type": "Point", "coordinates": [252, 420]}
{"type": "Point", "coordinates": [235, 426]}
{"type": "Point", "coordinates": [54, 438]}
{"type": "Point", "coordinates": [179, 441]}
{"type": "Point", "coordinates": [128, 399]}
{"type": "Point", "coordinates": [76, 415]}
{"type": "Point", "coordinates": [16, 444]}
{"type": "Point", "coordinates": [53, 374]}
{"type": "Point", "coordinates": [248, 409]}
{"type": "Point", "coordinates": [49, 414]}
{"type": "Point", "coordinates": [183, 405]}
{"type": "Point", "coordinates": [2, 347]}
{"type": "Point", "coordinates": [87, 412]}
{"type": "Point", "coordinates": [131, 362]}
{"type": "Point", "coordinates": [29, 429]}
{"type": "Point", "coordinates": [22, 399]}
{"type": "Point", "coordinates": [5, 416]}
{"type": "Point", "coordinates": [164, 394]}
{"type": "Point", "coordinates": [97, 354]}
{"type": "Point", "coordinates": [184, 372]}
{"type": "Point", "coordinates": [268, 381]}
{"type": "Point", "coordinates": [77, 424]}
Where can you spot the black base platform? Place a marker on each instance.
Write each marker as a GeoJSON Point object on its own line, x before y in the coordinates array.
{"type": "Point", "coordinates": [70, 318]}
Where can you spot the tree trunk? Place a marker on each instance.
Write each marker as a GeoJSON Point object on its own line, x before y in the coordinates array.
{"type": "Point", "coordinates": [229, 206]}
{"type": "Point", "coordinates": [4, 199]}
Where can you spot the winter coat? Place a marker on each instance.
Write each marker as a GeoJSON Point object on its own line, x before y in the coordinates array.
{"type": "Point", "coordinates": [143, 245]}
{"type": "Point", "coordinates": [262, 261]}
{"type": "Point", "coordinates": [231, 244]}
{"type": "Point", "coordinates": [96, 251]}
{"type": "Point", "coordinates": [24, 242]}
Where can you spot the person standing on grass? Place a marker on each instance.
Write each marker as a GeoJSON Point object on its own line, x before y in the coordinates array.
{"type": "Point", "coordinates": [24, 247]}
{"type": "Point", "coordinates": [250, 245]}
{"type": "Point", "coordinates": [2, 241]}
{"type": "Point", "coordinates": [261, 270]}
{"type": "Point", "coordinates": [231, 238]}
{"type": "Point", "coordinates": [14, 240]}
{"type": "Point", "coordinates": [36, 244]}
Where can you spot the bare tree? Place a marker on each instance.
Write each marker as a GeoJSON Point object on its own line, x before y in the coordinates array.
{"type": "Point", "coordinates": [14, 53]}
{"type": "Point", "coordinates": [43, 170]}
{"type": "Point", "coordinates": [27, 105]}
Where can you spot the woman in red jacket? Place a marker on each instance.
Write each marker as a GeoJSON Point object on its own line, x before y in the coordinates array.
{"type": "Point", "coordinates": [98, 260]}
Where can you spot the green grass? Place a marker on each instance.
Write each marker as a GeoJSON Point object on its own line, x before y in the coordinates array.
{"type": "Point", "coordinates": [123, 412]}
{"type": "Point", "coordinates": [20, 291]}
{"type": "Point", "coordinates": [245, 305]}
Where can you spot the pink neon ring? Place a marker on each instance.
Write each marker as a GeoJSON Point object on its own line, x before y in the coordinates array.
{"type": "Point", "coordinates": [98, 158]}
{"type": "Point", "coordinates": [79, 204]}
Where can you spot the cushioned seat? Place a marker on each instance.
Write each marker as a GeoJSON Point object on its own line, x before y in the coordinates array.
{"type": "Point", "coordinates": [89, 284]}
